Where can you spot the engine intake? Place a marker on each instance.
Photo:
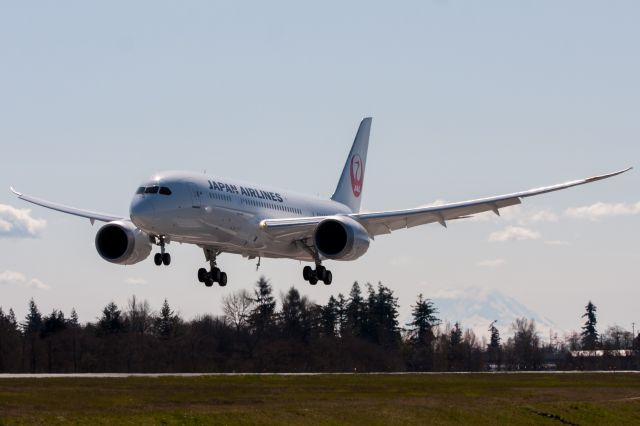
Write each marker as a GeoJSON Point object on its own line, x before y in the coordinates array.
{"type": "Point", "coordinates": [341, 238]}
{"type": "Point", "coordinates": [123, 243]}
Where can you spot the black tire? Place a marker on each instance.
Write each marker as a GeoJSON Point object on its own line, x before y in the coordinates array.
{"type": "Point", "coordinates": [328, 277]}
{"type": "Point", "coordinates": [320, 272]}
{"type": "Point", "coordinates": [166, 259]}
{"type": "Point", "coordinates": [157, 259]}
{"type": "Point", "coordinates": [215, 275]}
{"type": "Point", "coordinates": [208, 282]}
{"type": "Point", "coordinates": [202, 275]}
{"type": "Point", "coordinates": [313, 280]}
{"type": "Point", "coordinates": [223, 279]}
{"type": "Point", "coordinates": [307, 272]}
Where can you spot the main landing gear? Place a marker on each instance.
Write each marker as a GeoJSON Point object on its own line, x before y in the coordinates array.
{"type": "Point", "coordinates": [215, 275]}
{"type": "Point", "coordinates": [319, 274]}
{"type": "Point", "coordinates": [161, 258]}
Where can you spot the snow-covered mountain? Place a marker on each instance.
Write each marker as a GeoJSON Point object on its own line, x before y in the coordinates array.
{"type": "Point", "coordinates": [476, 308]}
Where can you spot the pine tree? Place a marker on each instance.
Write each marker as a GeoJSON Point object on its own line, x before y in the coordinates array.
{"type": "Point", "coordinates": [494, 340]}
{"type": "Point", "coordinates": [355, 312]}
{"type": "Point", "coordinates": [455, 337]}
{"type": "Point", "coordinates": [329, 317]}
{"type": "Point", "coordinates": [423, 320]}
{"type": "Point", "coordinates": [165, 324]}
{"type": "Point", "coordinates": [33, 320]}
{"type": "Point", "coordinates": [112, 321]}
{"type": "Point", "coordinates": [295, 315]}
{"type": "Point", "coordinates": [589, 335]}
{"type": "Point", "coordinates": [262, 317]}
{"type": "Point", "coordinates": [73, 318]}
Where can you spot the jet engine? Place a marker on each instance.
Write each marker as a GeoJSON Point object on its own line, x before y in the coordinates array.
{"type": "Point", "coordinates": [341, 238]}
{"type": "Point", "coordinates": [123, 243]}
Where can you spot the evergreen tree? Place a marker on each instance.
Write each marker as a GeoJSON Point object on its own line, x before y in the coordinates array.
{"type": "Point", "coordinates": [329, 317]}
{"type": "Point", "coordinates": [355, 312]}
{"type": "Point", "coordinates": [295, 314]}
{"type": "Point", "coordinates": [164, 324]}
{"type": "Point", "coordinates": [383, 316]}
{"type": "Point", "coordinates": [589, 335]}
{"type": "Point", "coordinates": [423, 320]}
{"type": "Point", "coordinates": [455, 337]}
{"type": "Point", "coordinates": [262, 317]}
{"type": "Point", "coordinates": [12, 318]}
{"type": "Point", "coordinates": [53, 323]}
{"type": "Point", "coordinates": [494, 351]}
{"type": "Point", "coordinates": [112, 320]}
{"type": "Point", "coordinates": [73, 318]}
{"type": "Point", "coordinates": [33, 320]}
{"type": "Point", "coordinates": [494, 340]}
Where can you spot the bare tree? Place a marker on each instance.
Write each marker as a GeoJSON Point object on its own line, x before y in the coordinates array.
{"type": "Point", "coordinates": [237, 308]}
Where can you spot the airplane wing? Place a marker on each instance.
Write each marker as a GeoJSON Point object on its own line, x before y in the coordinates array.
{"type": "Point", "coordinates": [385, 222]}
{"type": "Point", "coordinates": [92, 216]}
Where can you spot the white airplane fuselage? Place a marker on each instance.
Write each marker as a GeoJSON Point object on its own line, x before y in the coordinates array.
{"type": "Point", "coordinates": [223, 213]}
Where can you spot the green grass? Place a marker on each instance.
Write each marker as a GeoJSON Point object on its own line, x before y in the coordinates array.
{"type": "Point", "coordinates": [325, 399]}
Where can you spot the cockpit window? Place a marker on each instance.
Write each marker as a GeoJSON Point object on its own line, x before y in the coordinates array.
{"type": "Point", "coordinates": [140, 190]}
{"type": "Point", "coordinates": [165, 191]}
{"type": "Point", "coordinates": [151, 190]}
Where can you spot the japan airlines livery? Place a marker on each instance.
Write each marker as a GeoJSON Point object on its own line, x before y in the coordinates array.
{"type": "Point", "coordinates": [224, 215]}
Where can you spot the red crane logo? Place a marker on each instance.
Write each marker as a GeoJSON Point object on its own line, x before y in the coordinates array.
{"type": "Point", "coordinates": [357, 174]}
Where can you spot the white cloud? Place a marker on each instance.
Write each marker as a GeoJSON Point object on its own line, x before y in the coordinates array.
{"type": "Point", "coordinates": [19, 223]}
{"type": "Point", "coordinates": [135, 281]}
{"type": "Point", "coordinates": [491, 263]}
{"type": "Point", "coordinates": [514, 233]}
{"type": "Point", "coordinates": [18, 278]}
{"type": "Point", "coordinates": [600, 210]}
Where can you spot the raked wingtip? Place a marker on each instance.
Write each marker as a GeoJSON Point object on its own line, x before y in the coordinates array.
{"type": "Point", "coordinates": [19, 194]}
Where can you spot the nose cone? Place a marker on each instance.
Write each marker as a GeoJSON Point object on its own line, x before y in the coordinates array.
{"type": "Point", "coordinates": [142, 211]}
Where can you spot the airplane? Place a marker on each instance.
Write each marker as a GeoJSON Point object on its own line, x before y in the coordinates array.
{"type": "Point", "coordinates": [222, 215]}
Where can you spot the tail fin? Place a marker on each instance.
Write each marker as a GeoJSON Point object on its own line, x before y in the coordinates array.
{"type": "Point", "coordinates": [349, 189]}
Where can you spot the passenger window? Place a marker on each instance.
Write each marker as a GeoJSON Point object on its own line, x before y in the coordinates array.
{"type": "Point", "coordinates": [140, 190]}
{"type": "Point", "coordinates": [151, 190]}
{"type": "Point", "coordinates": [165, 191]}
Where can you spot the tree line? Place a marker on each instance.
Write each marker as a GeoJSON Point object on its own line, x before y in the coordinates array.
{"type": "Point", "coordinates": [358, 332]}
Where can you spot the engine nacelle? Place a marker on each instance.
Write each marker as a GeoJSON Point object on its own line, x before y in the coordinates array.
{"type": "Point", "coordinates": [123, 243]}
{"type": "Point", "coordinates": [341, 238]}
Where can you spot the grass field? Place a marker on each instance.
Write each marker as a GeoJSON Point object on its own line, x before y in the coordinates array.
{"type": "Point", "coordinates": [325, 399]}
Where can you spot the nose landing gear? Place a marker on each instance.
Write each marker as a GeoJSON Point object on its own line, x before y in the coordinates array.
{"type": "Point", "coordinates": [215, 275]}
{"type": "Point", "coordinates": [162, 257]}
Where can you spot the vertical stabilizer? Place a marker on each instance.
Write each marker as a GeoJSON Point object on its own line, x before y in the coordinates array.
{"type": "Point", "coordinates": [349, 189]}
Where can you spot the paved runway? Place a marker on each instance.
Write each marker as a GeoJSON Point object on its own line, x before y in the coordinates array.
{"type": "Point", "coordinates": [123, 375]}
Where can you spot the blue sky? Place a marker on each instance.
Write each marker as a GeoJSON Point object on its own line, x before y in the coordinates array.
{"type": "Point", "coordinates": [468, 99]}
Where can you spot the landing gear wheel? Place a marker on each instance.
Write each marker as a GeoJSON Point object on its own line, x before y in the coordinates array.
{"type": "Point", "coordinates": [157, 259]}
{"type": "Point", "coordinates": [223, 279]}
{"type": "Point", "coordinates": [202, 275]}
{"type": "Point", "coordinates": [320, 272]}
{"type": "Point", "coordinates": [208, 282]}
{"type": "Point", "coordinates": [328, 277]}
{"type": "Point", "coordinates": [313, 280]}
{"type": "Point", "coordinates": [216, 274]}
{"type": "Point", "coordinates": [166, 259]}
{"type": "Point", "coordinates": [307, 272]}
